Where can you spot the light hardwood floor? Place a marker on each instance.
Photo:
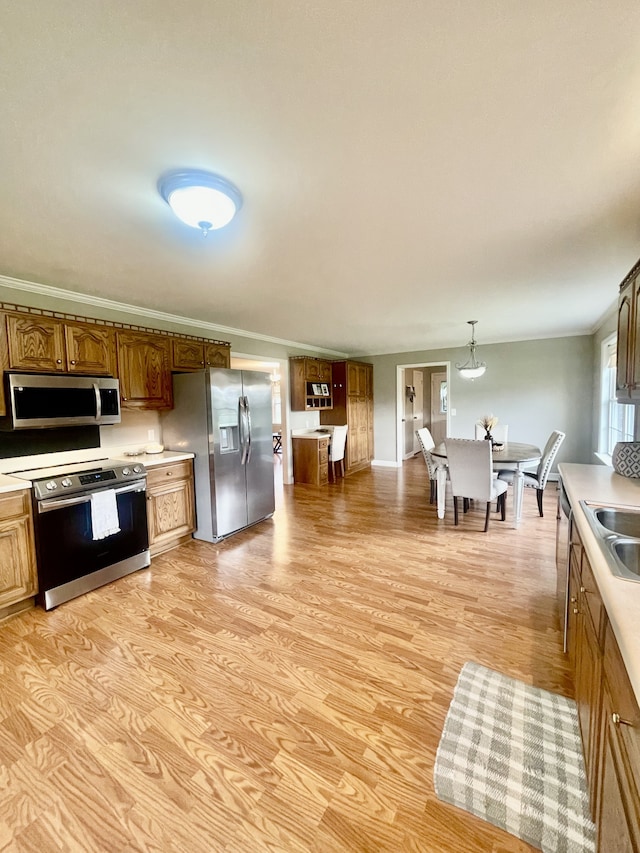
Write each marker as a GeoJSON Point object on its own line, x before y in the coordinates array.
{"type": "Point", "coordinates": [284, 690]}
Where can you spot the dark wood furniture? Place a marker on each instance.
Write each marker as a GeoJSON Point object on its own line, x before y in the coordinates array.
{"type": "Point", "coordinates": [628, 349]}
{"type": "Point", "coordinates": [353, 405]}
{"type": "Point", "coordinates": [310, 383]}
{"type": "Point", "coordinates": [311, 461]}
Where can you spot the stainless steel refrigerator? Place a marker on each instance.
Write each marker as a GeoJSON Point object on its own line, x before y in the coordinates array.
{"type": "Point", "coordinates": [224, 417]}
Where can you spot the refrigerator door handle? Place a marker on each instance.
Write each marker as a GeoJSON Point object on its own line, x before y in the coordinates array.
{"type": "Point", "coordinates": [242, 418]}
{"type": "Point", "coordinates": [247, 409]}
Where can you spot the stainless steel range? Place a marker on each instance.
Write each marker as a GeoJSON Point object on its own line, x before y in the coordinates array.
{"type": "Point", "coordinates": [90, 523]}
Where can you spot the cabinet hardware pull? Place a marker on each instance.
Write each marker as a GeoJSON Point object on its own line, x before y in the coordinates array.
{"type": "Point", "coordinates": [618, 721]}
{"type": "Point", "coordinates": [58, 361]}
{"type": "Point", "coordinates": [583, 589]}
{"type": "Point", "coordinates": [573, 599]}
{"type": "Point", "coordinates": [72, 361]}
{"type": "Point", "coordinates": [575, 610]}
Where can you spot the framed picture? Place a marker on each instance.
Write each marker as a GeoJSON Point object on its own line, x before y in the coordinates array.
{"type": "Point", "coordinates": [317, 390]}
{"type": "Point", "coordinates": [325, 389]}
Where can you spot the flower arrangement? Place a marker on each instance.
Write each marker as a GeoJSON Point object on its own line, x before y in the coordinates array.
{"type": "Point", "coordinates": [487, 422]}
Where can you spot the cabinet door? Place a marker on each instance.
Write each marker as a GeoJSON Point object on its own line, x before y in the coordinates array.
{"type": "Point", "coordinates": [312, 370]}
{"type": "Point", "coordinates": [633, 345]}
{"type": "Point", "coordinates": [187, 355]}
{"type": "Point", "coordinates": [217, 355]}
{"type": "Point", "coordinates": [324, 371]}
{"type": "Point", "coordinates": [18, 578]}
{"type": "Point", "coordinates": [36, 343]}
{"type": "Point", "coordinates": [588, 686]}
{"type": "Point", "coordinates": [170, 513]}
{"type": "Point", "coordinates": [90, 349]}
{"type": "Point", "coordinates": [143, 367]}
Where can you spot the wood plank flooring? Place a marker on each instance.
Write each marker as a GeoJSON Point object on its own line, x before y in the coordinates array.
{"type": "Point", "coordinates": [284, 690]}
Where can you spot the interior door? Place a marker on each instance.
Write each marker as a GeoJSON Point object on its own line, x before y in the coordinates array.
{"type": "Point", "coordinates": [439, 406]}
{"type": "Point", "coordinates": [409, 398]}
{"type": "Point", "coordinates": [418, 407]}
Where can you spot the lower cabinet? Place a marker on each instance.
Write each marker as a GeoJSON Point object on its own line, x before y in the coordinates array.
{"type": "Point", "coordinates": [607, 710]}
{"type": "Point", "coordinates": [18, 574]}
{"type": "Point", "coordinates": [170, 505]}
{"type": "Point", "coordinates": [311, 461]}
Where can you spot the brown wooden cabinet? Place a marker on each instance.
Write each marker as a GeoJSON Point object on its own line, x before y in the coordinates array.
{"type": "Point", "coordinates": [194, 355]}
{"type": "Point", "coordinates": [311, 461]}
{"type": "Point", "coordinates": [353, 405]}
{"type": "Point", "coordinates": [170, 505]}
{"type": "Point", "coordinates": [90, 349]}
{"type": "Point", "coordinates": [144, 370]}
{"type": "Point", "coordinates": [607, 711]}
{"type": "Point", "coordinates": [311, 384]}
{"type": "Point", "coordinates": [36, 343]}
{"type": "Point", "coordinates": [18, 576]}
{"type": "Point", "coordinates": [628, 347]}
{"type": "Point", "coordinates": [618, 816]}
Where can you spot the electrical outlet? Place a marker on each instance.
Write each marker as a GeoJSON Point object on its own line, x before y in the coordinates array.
{"type": "Point", "coordinates": [453, 413]}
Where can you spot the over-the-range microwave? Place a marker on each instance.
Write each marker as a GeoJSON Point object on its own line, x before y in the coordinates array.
{"type": "Point", "coordinates": [39, 401]}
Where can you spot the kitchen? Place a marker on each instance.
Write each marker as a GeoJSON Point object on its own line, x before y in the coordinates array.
{"type": "Point", "coordinates": [286, 687]}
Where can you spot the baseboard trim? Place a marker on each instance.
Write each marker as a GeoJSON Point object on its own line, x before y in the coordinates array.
{"type": "Point", "coordinates": [382, 463]}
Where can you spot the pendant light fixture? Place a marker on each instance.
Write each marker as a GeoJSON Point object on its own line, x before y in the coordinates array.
{"type": "Point", "coordinates": [472, 368]}
{"type": "Point", "coordinates": [200, 199]}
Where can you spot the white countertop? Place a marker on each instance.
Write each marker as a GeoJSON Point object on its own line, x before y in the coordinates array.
{"type": "Point", "coordinates": [621, 597]}
{"type": "Point", "coordinates": [312, 433]}
{"type": "Point", "coordinates": [12, 484]}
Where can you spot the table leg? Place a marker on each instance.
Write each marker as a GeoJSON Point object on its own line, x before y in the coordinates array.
{"type": "Point", "coordinates": [441, 481]}
{"type": "Point", "coordinates": [518, 492]}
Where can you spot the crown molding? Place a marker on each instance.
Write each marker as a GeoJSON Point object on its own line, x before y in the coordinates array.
{"type": "Point", "coordinates": [137, 311]}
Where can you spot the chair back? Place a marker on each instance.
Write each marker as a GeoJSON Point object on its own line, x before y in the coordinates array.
{"type": "Point", "coordinates": [426, 442]}
{"type": "Point", "coordinates": [548, 455]}
{"type": "Point", "coordinates": [499, 432]}
{"type": "Point", "coordinates": [338, 441]}
{"type": "Point", "coordinates": [470, 468]}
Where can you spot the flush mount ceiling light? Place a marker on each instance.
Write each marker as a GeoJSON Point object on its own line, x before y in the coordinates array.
{"type": "Point", "coordinates": [472, 368]}
{"type": "Point", "coordinates": [200, 199]}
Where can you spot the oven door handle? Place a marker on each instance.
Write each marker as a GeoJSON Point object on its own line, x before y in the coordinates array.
{"type": "Point", "coordinates": [58, 503]}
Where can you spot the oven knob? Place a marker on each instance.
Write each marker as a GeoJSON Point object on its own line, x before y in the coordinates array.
{"type": "Point", "coordinates": [126, 472]}
{"type": "Point", "coordinates": [137, 469]}
{"type": "Point", "coordinates": [67, 482]}
{"type": "Point", "coordinates": [51, 485]}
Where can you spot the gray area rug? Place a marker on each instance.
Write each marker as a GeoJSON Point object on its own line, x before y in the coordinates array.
{"type": "Point", "coordinates": [511, 754]}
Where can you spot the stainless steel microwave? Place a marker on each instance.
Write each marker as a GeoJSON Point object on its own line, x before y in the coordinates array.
{"type": "Point", "coordinates": [37, 401]}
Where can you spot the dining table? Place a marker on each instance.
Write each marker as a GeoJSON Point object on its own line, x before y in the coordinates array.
{"type": "Point", "coordinates": [512, 455]}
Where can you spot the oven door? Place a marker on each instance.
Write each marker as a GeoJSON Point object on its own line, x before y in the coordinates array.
{"type": "Point", "coordinates": [67, 551]}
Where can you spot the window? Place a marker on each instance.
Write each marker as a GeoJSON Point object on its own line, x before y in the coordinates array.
{"type": "Point", "coordinates": [616, 419]}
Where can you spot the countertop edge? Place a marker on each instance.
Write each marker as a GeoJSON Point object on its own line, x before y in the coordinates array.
{"type": "Point", "coordinates": [12, 484]}
{"type": "Point", "coordinates": [620, 597]}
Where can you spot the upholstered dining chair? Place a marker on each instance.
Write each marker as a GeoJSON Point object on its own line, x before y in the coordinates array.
{"type": "Point", "coordinates": [538, 480]}
{"type": "Point", "coordinates": [499, 432]}
{"type": "Point", "coordinates": [426, 442]}
{"type": "Point", "coordinates": [470, 470]}
{"type": "Point", "coordinates": [336, 451]}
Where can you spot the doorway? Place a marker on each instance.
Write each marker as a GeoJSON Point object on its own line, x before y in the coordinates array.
{"type": "Point", "coordinates": [422, 400]}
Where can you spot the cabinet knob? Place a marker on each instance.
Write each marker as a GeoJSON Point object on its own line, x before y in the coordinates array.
{"type": "Point", "coordinates": [583, 589]}
{"type": "Point", "coordinates": [169, 473]}
{"type": "Point", "coordinates": [573, 599]}
{"type": "Point", "coordinates": [576, 611]}
{"type": "Point", "coordinates": [72, 361]}
{"type": "Point", "coordinates": [617, 720]}
{"type": "Point", "coordinates": [58, 361]}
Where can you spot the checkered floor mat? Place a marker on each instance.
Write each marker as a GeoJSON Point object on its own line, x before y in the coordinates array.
{"type": "Point", "coordinates": [511, 754]}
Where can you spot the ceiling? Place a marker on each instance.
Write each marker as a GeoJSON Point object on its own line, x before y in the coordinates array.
{"type": "Point", "coordinates": [405, 166]}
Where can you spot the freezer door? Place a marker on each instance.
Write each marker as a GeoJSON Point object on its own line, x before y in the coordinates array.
{"type": "Point", "coordinates": [226, 440]}
{"type": "Point", "coordinates": [259, 465]}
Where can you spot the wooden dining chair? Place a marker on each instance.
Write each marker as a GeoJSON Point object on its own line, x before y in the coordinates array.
{"type": "Point", "coordinates": [471, 473]}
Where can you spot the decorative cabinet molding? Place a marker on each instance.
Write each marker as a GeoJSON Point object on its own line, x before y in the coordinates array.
{"type": "Point", "coordinates": [170, 505]}
{"type": "Point", "coordinates": [191, 355]}
{"type": "Point", "coordinates": [18, 575]}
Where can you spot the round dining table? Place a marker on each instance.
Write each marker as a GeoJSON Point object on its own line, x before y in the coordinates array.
{"type": "Point", "coordinates": [512, 455]}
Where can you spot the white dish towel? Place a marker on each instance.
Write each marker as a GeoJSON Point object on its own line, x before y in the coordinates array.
{"type": "Point", "coordinates": [104, 514]}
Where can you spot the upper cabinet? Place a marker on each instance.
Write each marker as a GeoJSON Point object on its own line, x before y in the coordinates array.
{"type": "Point", "coordinates": [628, 349]}
{"type": "Point", "coordinates": [194, 355]}
{"type": "Point", "coordinates": [143, 361]}
{"type": "Point", "coordinates": [311, 384]}
{"type": "Point", "coordinates": [144, 367]}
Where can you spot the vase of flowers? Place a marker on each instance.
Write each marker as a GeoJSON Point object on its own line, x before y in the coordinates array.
{"type": "Point", "coordinates": [488, 422]}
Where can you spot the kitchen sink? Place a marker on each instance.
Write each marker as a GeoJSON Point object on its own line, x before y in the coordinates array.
{"type": "Point", "coordinates": [617, 529]}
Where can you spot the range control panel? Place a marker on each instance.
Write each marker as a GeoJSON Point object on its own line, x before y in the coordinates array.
{"type": "Point", "coordinates": [87, 480]}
